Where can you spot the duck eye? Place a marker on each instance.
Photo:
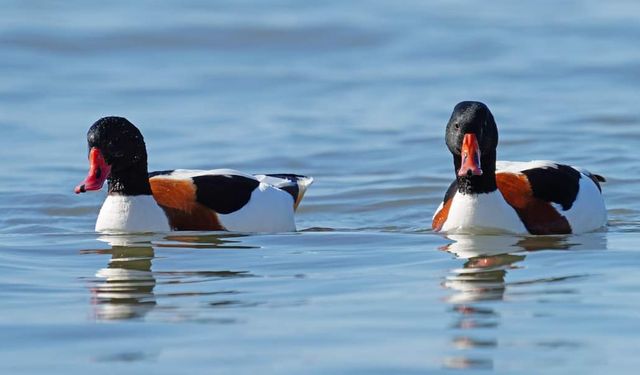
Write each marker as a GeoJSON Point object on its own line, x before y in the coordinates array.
{"type": "Point", "coordinates": [456, 125]}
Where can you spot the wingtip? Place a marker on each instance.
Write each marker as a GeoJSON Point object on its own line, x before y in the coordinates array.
{"type": "Point", "coordinates": [303, 184]}
{"type": "Point", "coordinates": [306, 181]}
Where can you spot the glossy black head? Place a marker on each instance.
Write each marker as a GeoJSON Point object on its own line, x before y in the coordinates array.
{"type": "Point", "coordinates": [472, 138]}
{"type": "Point", "coordinates": [117, 152]}
{"type": "Point", "coordinates": [119, 141]}
{"type": "Point", "coordinates": [474, 118]}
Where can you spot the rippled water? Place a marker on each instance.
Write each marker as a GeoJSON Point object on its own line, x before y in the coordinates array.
{"type": "Point", "coordinates": [356, 95]}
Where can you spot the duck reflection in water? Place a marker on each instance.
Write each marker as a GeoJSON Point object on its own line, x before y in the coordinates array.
{"type": "Point", "coordinates": [481, 280]}
{"type": "Point", "coordinates": [488, 259]}
{"type": "Point", "coordinates": [125, 288]}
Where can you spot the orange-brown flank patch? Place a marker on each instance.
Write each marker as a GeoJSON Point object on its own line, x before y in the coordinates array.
{"type": "Point", "coordinates": [537, 215]}
{"type": "Point", "coordinates": [441, 216]}
{"type": "Point", "coordinates": [178, 200]}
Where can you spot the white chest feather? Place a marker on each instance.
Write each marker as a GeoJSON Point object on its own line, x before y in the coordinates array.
{"type": "Point", "coordinates": [140, 213]}
{"type": "Point", "coordinates": [482, 214]}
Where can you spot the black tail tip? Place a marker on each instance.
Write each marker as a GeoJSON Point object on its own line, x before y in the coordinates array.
{"type": "Point", "coordinates": [599, 178]}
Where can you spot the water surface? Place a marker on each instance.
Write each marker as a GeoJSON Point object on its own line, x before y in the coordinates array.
{"type": "Point", "coordinates": [356, 95]}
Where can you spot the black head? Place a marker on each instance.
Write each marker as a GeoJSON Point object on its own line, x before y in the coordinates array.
{"type": "Point", "coordinates": [119, 141]}
{"type": "Point", "coordinates": [472, 118]}
{"type": "Point", "coordinates": [472, 138]}
{"type": "Point", "coordinates": [117, 152]}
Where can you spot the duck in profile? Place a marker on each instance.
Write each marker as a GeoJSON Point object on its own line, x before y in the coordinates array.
{"type": "Point", "coordinates": [535, 197]}
{"type": "Point", "coordinates": [212, 200]}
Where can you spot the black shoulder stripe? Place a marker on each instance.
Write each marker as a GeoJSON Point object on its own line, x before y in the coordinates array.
{"type": "Point", "coordinates": [558, 185]}
{"type": "Point", "coordinates": [160, 173]}
{"type": "Point", "coordinates": [224, 193]}
{"type": "Point", "coordinates": [451, 191]}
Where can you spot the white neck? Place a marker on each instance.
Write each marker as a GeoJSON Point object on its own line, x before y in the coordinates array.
{"type": "Point", "coordinates": [138, 213]}
{"type": "Point", "coordinates": [482, 213]}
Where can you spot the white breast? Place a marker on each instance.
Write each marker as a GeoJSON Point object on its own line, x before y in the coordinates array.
{"type": "Point", "coordinates": [139, 213]}
{"type": "Point", "coordinates": [482, 214]}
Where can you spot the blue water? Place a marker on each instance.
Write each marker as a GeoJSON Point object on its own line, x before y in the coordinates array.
{"type": "Point", "coordinates": [356, 94]}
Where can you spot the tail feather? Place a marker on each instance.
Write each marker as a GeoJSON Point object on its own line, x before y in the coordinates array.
{"type": "Point", "coordinates": [596, 178]}
{"type": "Point", "coordinates": [294, 184]}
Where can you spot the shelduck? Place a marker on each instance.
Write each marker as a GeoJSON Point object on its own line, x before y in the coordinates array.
{"type": "Point", "coordinates": [535, 197]}
{"type": "Point", "coordinates": [218, 199]}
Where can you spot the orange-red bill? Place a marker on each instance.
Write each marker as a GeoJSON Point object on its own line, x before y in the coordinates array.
{"type": "Point", "coordinates": [470, 154]}
{"type": "Point", "coordinates": [99, 171]}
